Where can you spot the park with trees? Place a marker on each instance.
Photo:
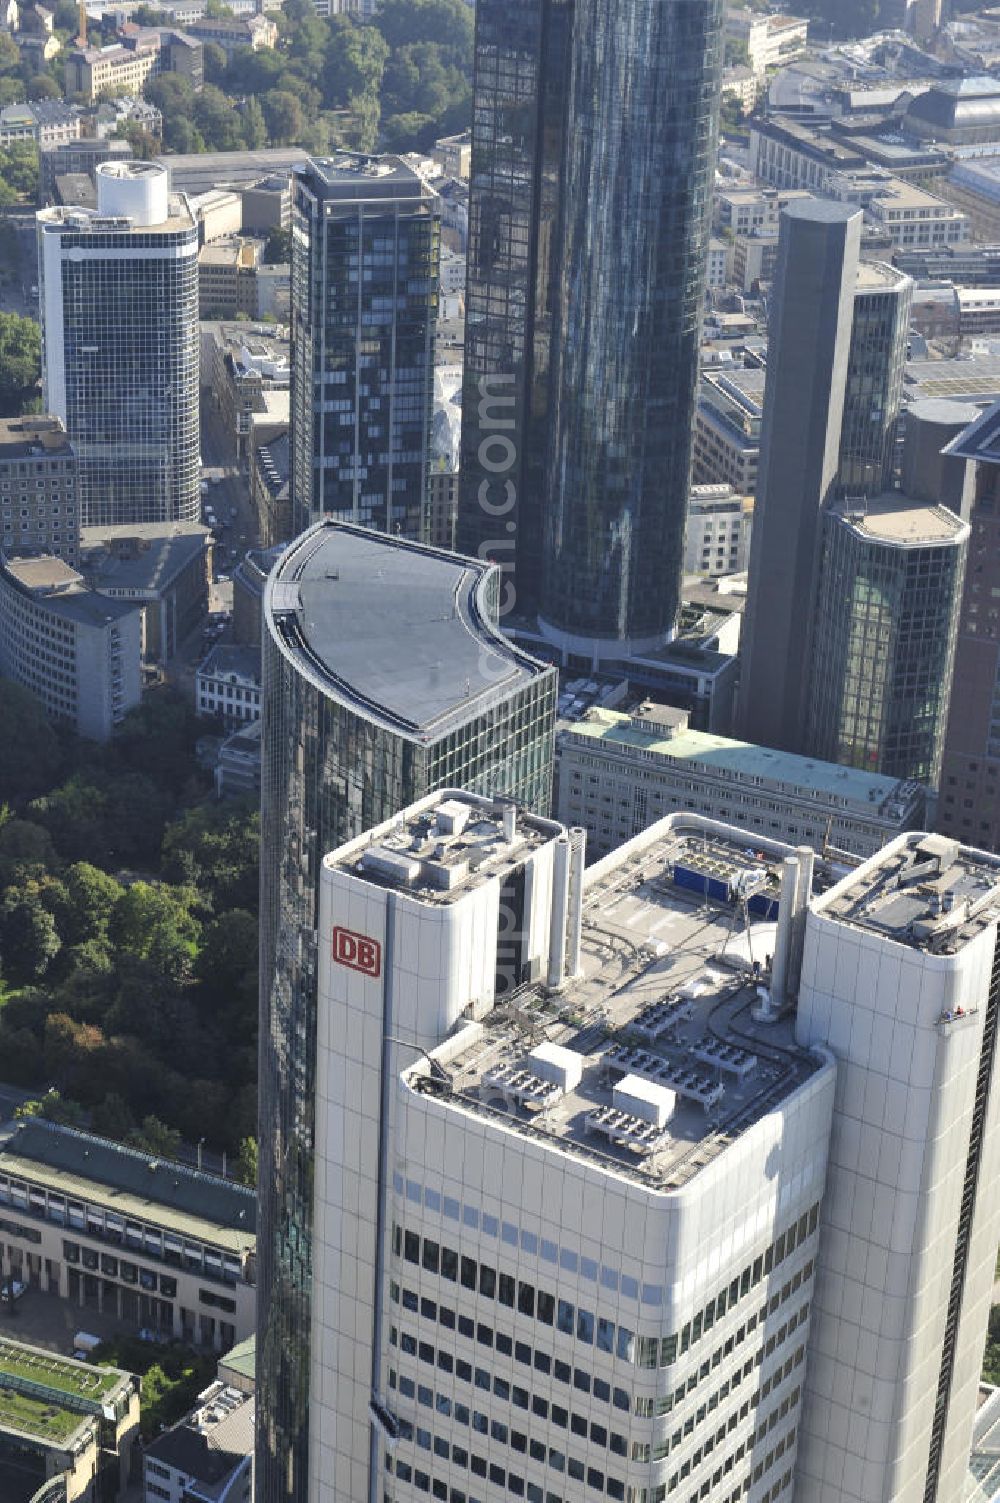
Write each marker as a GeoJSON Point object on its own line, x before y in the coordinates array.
{"type": "Point", "coordinates": [128, 931]}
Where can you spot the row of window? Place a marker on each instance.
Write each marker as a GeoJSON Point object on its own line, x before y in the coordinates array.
{"type": "Point", "coordinates": [581, 1324]}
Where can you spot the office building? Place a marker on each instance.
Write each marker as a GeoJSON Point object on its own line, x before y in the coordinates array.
{"type": "Point", "coordinates": [270, 489]}
{"type": "Point", "coordinates": [583, 307]}
{"type": "Point", "coordinates": [39, 488]}
{"type": "Point", "coordinates": [77, 651]}
{"type": "Point", "coordinates": [365, 249]}
{"type": "Point", "coordinates": [119, 310]}
{"type": "Point", "coordinates": [873, 392]}
{"type": "Point", "coordinates": [808, 356]}
{"type": "Point", "coordinates": [80, 156]}
{"type": "Point", "coordinates": [594, 1249]}
{"type": "Point", "coordinates": [900, 978]}
{"type": "Point", "coordinates": [68, 1433]}
{"type": "Point", "coordinates": [727, 427]}
{"type": "Point", "coordinates": [619, 771]}
{"type": "Point", "coordinates": [886, 619]}
{"type": "Point", "coordinates": [164, 566]}
{"type": "Point", "coordinates": [385, 677]}
{"type": "Point", "coordinates": [969, 806]}
{"type": "Point", "coordinates": [151, 1244]}
{"type": "Point", "coordinates": [770, 41]}
{"type": "Point", "coordinates": [247, 370]}
{"type": "Point", "coordinates": [207, 1457]}
{"type": "Point", "coordinates": [717, 540]}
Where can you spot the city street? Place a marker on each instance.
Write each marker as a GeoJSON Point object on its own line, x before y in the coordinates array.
{"type": "Point", "coordinates": [15, 294]}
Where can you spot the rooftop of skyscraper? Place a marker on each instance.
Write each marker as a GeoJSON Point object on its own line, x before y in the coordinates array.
{"type": "Point", "coordinates": [401, 632]}
{"type": "Point", "coordinates": [649, 1063]}
{"type": "Point", "coordinates": [926, 892]}
{"type": "Point", "coordinates": [354, 174]}
{"type": "Point", "coordinates": [900, 521]}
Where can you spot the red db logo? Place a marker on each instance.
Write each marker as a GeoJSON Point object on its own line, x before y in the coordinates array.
{"type": "Point", "coordinates": [357, 951]}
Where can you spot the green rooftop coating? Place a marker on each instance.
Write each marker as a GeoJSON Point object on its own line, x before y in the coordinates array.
{"type": "Point", "coordinates": [56, 1374]}
{"type": "Point", "coordinates": [34, 1417]}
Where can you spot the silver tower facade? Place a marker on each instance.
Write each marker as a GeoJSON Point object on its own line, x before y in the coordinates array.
{"type": "Point", "coordinates": [119, 309]}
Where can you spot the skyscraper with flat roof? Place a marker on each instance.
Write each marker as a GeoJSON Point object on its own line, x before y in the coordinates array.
{"type": "Point", "coordinates": [880, 326]}
{"type": "Point", "coordinates": [385, 677]}
{"type": "Point", "coordinates": [118, 289]}
{"type": "Point", "coordinates": [592, 169]}
{"type": "Point", "coordinates": [808, 349]}
{"type": "Point", "coordinates": [365, 253]}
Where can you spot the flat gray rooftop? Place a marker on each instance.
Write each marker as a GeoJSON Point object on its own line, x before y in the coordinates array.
{"type": "Point", "coordinates": [398, 631]}
{"type": "Point", "coordinates": [924, 891]}
{"type": "Point", "coordinates": [664, 1000]}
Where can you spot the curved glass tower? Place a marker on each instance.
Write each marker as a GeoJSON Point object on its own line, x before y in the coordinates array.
{"type": "Point", "coordinates": [385, 678]}
{"type": "Point", "coordinates": [874, 391]}
{"type": "Point", "coordinates": [592, 169]}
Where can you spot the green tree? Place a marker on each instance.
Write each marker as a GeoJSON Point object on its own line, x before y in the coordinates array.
{"type": "Point", "coordinates": [157, 1138]}
{"type": "Point", "coordinates": [156, 924]}
{"type": "Point", "coordinates": [251, 73]}
{"type": "Point", "coordinates": [283, 114]}
{"type": "Point", "coordinates": [21, 1052]}
{"type": "Point", "coordinates": [53, 1107]}
{"type": "Point", "coordinates": [76, 816]}
{"type": "Point", "coordinates": [19, 168]}
{"type": "Point", "coordinates": [20, 369]}
{"type": "Point", "coordinates": [253, 124]}
{"type": "Point", "coordinates": [92, 896]}
{"type": "Point", "coordinates": [29, 940]}
{"type": "Point", "coordinates": [112, 1118]}
{"type": "Point", "coordinates": [43, 86]}
{"type": "Point", "coordinates": [24, 846]}
{"type": "Point", "coordinates": [216, 120]}
{"type": "Point", "coordinates": [354, 69]}
{"type": "Point", "coordinates": [216, 62]}
{"type": "Point", "coordinates": [246, 1163]}
{"type": "Point", "coordinates": [277, 247]}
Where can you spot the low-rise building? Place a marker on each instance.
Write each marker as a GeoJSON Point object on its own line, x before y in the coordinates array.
{"type": "Point", "coordinates": [82, 155]}
{"type": "Point", "coordinates": [249, 579]}
{"type": "Point", "coordinates": [267, 204]}
{"type": "Point", "coordinates": [915, 219]}
{"type": "Point", "coordinates": [165, 567]}
{"type": "Point", "coordinates": [770, 40]}
{"type": "Point", "coordinates": [752, 211]}
{"type": "Point", "coordinates": [742, 84]}
{"type": "Point", "coordinates": [155, 1244]}
{"type": "Point", "coordinates": [236, 32]}
{"type": "Point", "coordinates": [727, 428]}
{"type": "Point", "coordinates": [69, 1432]}
{"type": "Point", "coordinates": [120, 68]}
{"type": "Point", "coordinates": [240, 364]}
{"type": "Point", "coordinates": [207, 1457]}
{"type": "Point", "coordinates": [237, 770]}
{"type": "Point", "coordinates": [46, 122]}
{"type": "Point", "coordinates": [227, 278]}
{"type": "Point", "coordinates": [227, 684]}
{"type": "Point", "coordinates": [39, 488]}
{"type": "Point", "coordinates": [78, 651]}
{"type": "Point", "coordinates": [717, 540]}
{"type": "Point", "coordinates": [619, 772]}
{"type": "Point", "coordinates": [219, 213]}
{"type": "Point", "coordinates": [978, 310]}
{"type": "Point", "coordinates": [270, 492]}
{"type": "Point", "coordinates": [442, 508]}
{"type": "Point", "coordinates": [718, 264]}
{"type": "Point", "coordinates": [454, 155]}
{"type": "Point", "coordinates": [755, 260]}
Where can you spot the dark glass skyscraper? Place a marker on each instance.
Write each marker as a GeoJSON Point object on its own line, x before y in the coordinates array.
{"type": "Point", "coordinates": [385, 678]}
{"type": "Point", "coordinates": [365, 255]}
{"type": "Point", "coordinates": [592, 164]}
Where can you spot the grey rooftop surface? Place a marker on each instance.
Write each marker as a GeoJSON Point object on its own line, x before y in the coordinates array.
{"type": "Point", "coordinates": [163, 550]}
{"type": "Point", "coordinates": [981, 440]}
{"type": "Point", "coordinates": [352, 175]}
{"type": "Point", "coordinates": [55, 1153]}
{"type": "Point", "coordinates": [923, 891]}
{"type": "Point", "coordinates": [232, 657]}
{"type": "Point", "coordinates": [441, 853]}
{"type": "Point", "coordinates": [663, 1005]}
{"type": "Point", "coordinates": [400, 632]}
{"type": "Point", "coordinates": [55, 587]}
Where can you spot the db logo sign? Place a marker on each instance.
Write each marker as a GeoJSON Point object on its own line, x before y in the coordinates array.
{"type": "Point", "coordinates": [357, 951]}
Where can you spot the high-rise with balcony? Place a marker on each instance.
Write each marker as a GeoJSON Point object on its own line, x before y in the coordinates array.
{"type": "Point", "coordinates": [365, 256]}
{"type": "Point", "coordinates": [118, 293]}
{"type": "Point", "coordinates": [592, 169]}
{"type": "Point", "coordinates": [385, 677]}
